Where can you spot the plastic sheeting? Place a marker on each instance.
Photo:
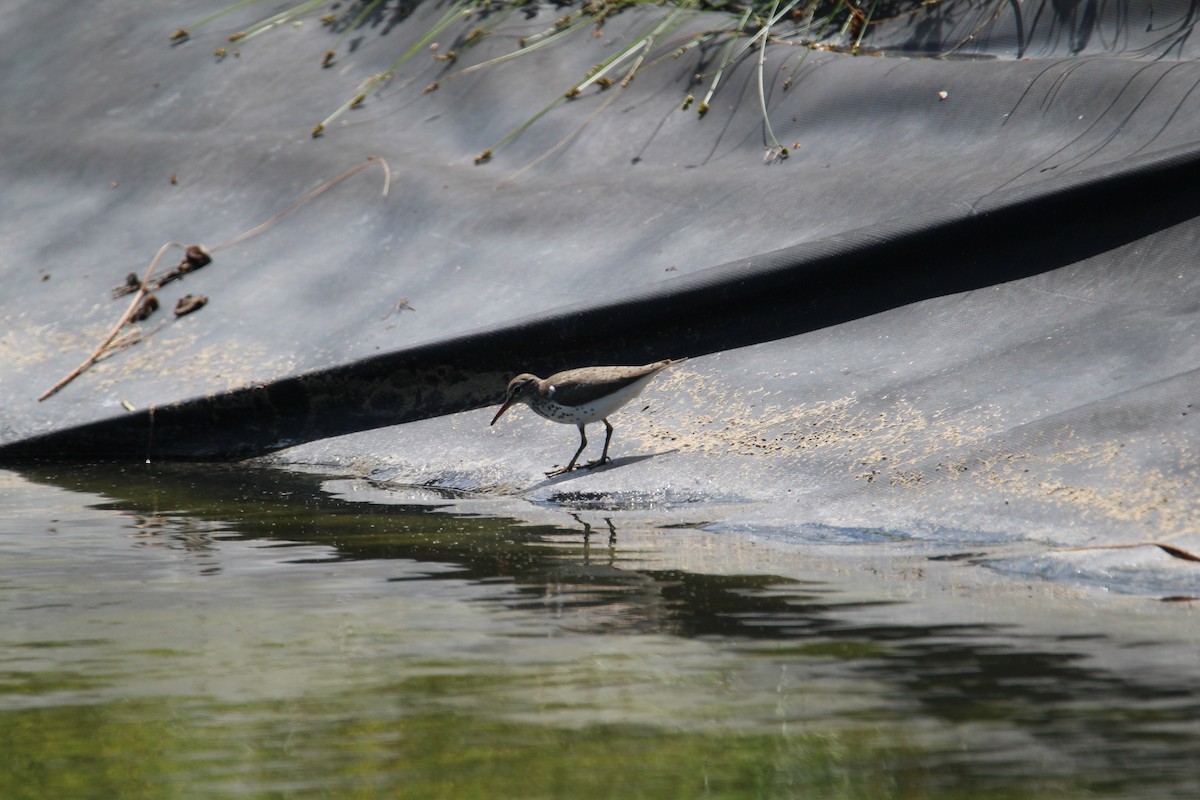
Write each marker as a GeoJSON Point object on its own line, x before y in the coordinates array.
{"type": "Point", "coordinates": [963, 307]}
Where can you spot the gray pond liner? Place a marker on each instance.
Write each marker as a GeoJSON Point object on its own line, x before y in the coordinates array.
{"type": "Point", "coordinates": [964, 308]}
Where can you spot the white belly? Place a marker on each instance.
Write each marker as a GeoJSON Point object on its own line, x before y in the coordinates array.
{"type": "Point", "coordinates": [597, 409]}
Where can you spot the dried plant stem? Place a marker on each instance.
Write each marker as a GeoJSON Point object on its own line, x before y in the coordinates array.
{"type": "Point", "coordinates": [862, 29]}
{"type": "Point", "coordinates": [529, 47]}
{"type": "Point", "coordinates": [329, 184]}
{"type": "Point", "coordinates": [278, 19]}
{"type": "Point", "coordinates": [642, 48]}
{"type": "Point", "coordinates": [726, 58]}
{"type": "Point", "coordinates": [107, 343]}
{"type": "Point", "coordinates": [223, 12]}
{"type": "Point", "coordinates": [638, 46]}
{"type": "Point", "coordinates": [762, 94]}
{"type": "Point", "coordinates": [133, 306]}
{"type": "Point", "coordinates": [455, 13]}
{"type": "Point", "coordinates": [565, 140]}
{"type": "Point", "coordinates": [358, 20]}
{"type": "Point", "coordinates": [832, 25]}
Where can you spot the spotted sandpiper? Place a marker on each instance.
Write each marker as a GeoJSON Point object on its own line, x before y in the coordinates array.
{"type": "Point", "coordinates": [582, 396]}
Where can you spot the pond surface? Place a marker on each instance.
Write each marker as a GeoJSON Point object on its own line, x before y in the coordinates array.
{"type": "Point", "coordinates": [187, 631]}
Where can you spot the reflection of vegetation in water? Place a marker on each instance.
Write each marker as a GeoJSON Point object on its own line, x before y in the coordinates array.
{"type": "Point", "coordinates": [388, 745]}
{"type": "Point", "coordinates": [735, 31]}
{"type": "Point", "coordinates": [337, 648]}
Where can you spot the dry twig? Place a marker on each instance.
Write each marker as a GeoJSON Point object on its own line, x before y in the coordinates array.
{"type": "Point", "coordinates": [129, 312]}
{"type": "Point", "coordinates": [195, 257]}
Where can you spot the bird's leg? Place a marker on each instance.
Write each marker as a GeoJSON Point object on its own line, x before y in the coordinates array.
{"type": "Point", "coordinates": [603, 459]}
{"type": "Point", "coordinates": [574, 458]}
{"type": "Point", "coordinates": [582, 444]}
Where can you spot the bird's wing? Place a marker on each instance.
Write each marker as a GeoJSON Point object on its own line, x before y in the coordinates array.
{"type": "Point", "coordinates": [578, 387]}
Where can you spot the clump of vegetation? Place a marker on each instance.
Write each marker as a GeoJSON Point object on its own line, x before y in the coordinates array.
{"type": "Point", "coordinates": [741, 30]}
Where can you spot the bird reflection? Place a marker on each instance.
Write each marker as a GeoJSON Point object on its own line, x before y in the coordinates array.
{"type": "Point", "coordinates": [587, 537]}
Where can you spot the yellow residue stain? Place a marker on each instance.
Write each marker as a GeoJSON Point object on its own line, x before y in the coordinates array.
{"type": "Point", "coordinates": [208, 369]}
{"type": "Point", "coordinates": [945, 460]}
{"type": "Point", "coordinates": [747, 422]}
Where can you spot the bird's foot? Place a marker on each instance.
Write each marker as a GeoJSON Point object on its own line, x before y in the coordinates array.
{"type": "Point", "coordinates": [563, 471]}
{"type": "Point", "coordinates": [597, 462]}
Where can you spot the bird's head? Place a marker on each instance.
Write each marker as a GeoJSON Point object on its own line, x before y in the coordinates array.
{"type": "Point", "coordinates": [520, 390]}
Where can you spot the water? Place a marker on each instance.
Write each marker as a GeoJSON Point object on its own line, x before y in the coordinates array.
{"type": "Point", "coordinates": [227, 632]}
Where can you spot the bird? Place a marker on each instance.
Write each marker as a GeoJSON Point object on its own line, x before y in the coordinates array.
{"type": "Point", "coordinates": [580, 397]}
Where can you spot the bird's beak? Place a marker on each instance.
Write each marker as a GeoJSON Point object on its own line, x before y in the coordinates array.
{"type": "Point", "coordinates": [503, 408]}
